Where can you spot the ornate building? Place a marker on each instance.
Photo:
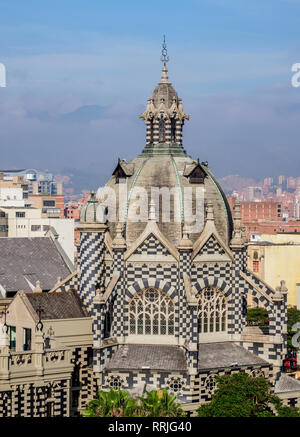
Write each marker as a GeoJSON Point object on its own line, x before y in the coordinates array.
{"type": "Point", "coordinates": [168, 292]}
{"type": "Point", "coordinates": [169, 305]}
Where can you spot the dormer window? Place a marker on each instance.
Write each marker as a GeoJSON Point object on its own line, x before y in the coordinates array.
{"type": "Point", "coordinates": [197, 175]}
{"type": "Point", "coordinates": [161, 131]}
{"type": "Point", "coordinates": [119, 174]}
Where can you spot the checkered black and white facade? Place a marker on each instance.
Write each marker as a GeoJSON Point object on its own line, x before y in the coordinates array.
{"type": "Point", "coordinates": [165, 274]}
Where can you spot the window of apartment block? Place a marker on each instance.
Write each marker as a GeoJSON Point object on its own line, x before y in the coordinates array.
{"type": "Point", "coordinates": [35, 227]}
{"type": "Point", "coordinates": [27, 339]}
{"type": "Point", "coordinates": [20, 214]}
{"type": "Point", "coordinates": [12, 337]}
{"type": "Point", "coordinates": [51, 211]}
{"type": "Point", "coordinates": [46, 227]}
{"type": "Point", "coordinates": [49, 202]}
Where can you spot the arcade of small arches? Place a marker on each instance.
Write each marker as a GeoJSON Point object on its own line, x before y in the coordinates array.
{"type": "Point", "coordinates": [163, 125]}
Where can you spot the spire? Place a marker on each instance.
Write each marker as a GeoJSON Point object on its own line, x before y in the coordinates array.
{"type": "Point", "coordinates": [119, 241]}
{"type": "Point", "coordinates": [185, 243]}
{"type": "Point", "coordinates": [164, 58]}
{"type": "Point", "coordinates": [238, 239]}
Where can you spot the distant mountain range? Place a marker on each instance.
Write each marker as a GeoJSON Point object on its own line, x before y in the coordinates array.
{"type": "Point", "coordinates": [236, 182]}
{"type": "Point", "coordinates": [76, 182]}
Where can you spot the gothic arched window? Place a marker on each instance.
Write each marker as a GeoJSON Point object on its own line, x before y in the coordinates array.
{"type": "Point", "coordinates": [161, 131]}
{"type": "Point", "coordinates": [212, 310]}
{"type": "Point", "coordinates": [151, 312]}
{"type": "Point", "coordinates": [151, 131]}
{"type": "Point", "coordinates": [108, 319]}
{"type": "Point", "coordinates": [173, 130]}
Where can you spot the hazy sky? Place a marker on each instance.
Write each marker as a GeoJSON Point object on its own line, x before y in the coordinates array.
{"type": "Point", "coordinates": [79, 73]}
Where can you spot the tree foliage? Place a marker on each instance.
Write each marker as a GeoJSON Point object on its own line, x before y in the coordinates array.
{"type": "Point", "coordinates": [159, 403]}
{"type": "Point", "coordinates": [114, 403]}
{"type": "Point", "coordinates": [293, 316]}
{"type": "Point", "coordinates": [257, 316]}
{"type": "Point", "coordinates": [119, 403]}
{"type": "Point", "coordinates": [240, 395]}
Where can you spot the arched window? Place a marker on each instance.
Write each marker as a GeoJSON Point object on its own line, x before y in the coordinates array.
{"type": "Point", "coordinates": [173, 130]}
{"type": "Point", "coordinates": [108, 319]}
{"type": "Point", "coordinates": [212, 310]}
{"type": "Point", "coordinates": [161, 131]}
{"type": "Point", "coordinates": [151, 312]}
{"type": "Point", "coordinates": [255, 262]}
{"type": "Point", "coordinates": [151, 131]}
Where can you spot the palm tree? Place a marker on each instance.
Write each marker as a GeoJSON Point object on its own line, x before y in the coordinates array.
{"type": "Point", "coordinates": [159, 403]}
{"type": "Point", "coordinates": [115, 403]}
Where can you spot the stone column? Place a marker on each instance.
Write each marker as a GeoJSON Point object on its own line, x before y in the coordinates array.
{"type": "Point", "coordinates": [119, 311]}
{"type": "Point", "coordinates": [239, 299]}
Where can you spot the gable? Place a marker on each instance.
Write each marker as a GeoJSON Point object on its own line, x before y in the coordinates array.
{"type": "Point", "coordinates": [151, 246]}
{"type": "Point", "coordinates": [212, 247]}
{"type": "Point", "coordinates": [212, 250]}
{"type": "Point", "coordinates": [20, 312]}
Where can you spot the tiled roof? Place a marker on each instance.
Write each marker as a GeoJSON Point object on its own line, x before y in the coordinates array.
{"type": "Point", "coordinates": [30, 259]}
{"type": "Point", "coordinates": [62, 305]}
{"type": "Point", "coordinates": [144, 356]}
{"type": "Point", "coordinates": [287, 383]}
{"type": "Point", "coordinates": [220, 355]}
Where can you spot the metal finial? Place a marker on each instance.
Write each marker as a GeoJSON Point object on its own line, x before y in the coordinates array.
{"type": "Point", "coordinates": [164, 53]}
{"type": "Point", "coordinates": [39, 326]}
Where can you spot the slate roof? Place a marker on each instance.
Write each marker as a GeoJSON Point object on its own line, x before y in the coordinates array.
{"type": "Point", "coordinates": [286, 383]}
{"type": "Point", "coordinates": [61, 305]}
{"type": "Point", "coordinates": [220, 355]}
{"type": "Point", "coordinates": [30, 259]}
{"type": "Point", "coordinates": [143, 356]}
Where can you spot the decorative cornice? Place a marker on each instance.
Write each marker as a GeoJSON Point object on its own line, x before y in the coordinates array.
{"type": "Point", "coordinates": [92, 227]}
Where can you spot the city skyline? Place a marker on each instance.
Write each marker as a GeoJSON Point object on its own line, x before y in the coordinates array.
{"type": "Point", "coordinates": [76, 83]}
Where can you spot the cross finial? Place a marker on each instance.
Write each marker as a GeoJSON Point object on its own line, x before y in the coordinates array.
{"type": "Point", "coordinates": [164, 53]}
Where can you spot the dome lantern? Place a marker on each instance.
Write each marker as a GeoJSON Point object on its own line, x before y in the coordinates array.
{"type": "Point", "coordinates": [164, 116]}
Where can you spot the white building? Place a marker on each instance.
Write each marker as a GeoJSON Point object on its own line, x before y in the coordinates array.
{"type": "Point", "coordinates": [10, 196]}
{"type": "Point", "coordinates": [28, 222]}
